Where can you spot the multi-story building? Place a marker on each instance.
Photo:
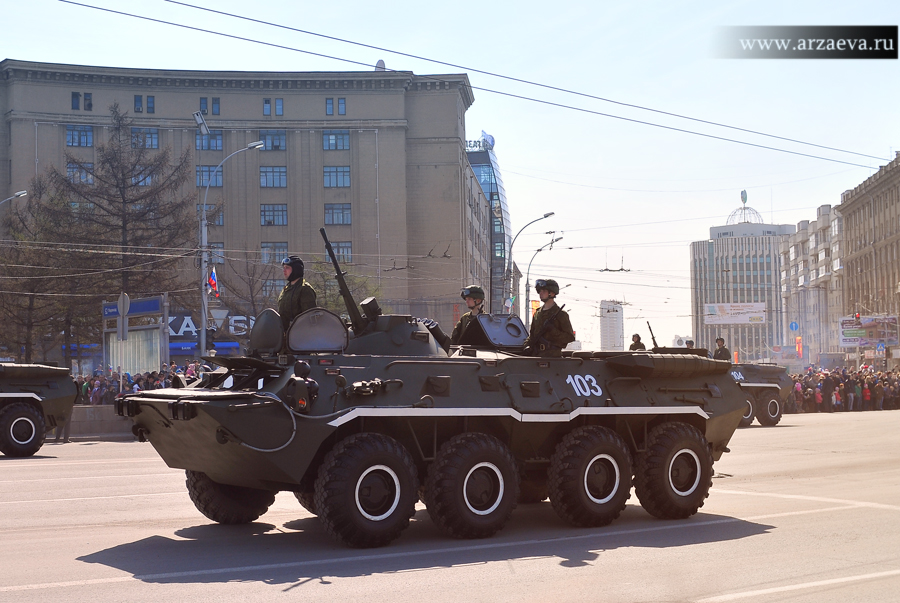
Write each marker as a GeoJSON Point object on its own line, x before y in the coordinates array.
{"type": "Point", "coordinates": [612, 326]}
{"type": "Point", "coordinates": [739, 264]}
{"type": "Point", "coordinates": [378, 158]}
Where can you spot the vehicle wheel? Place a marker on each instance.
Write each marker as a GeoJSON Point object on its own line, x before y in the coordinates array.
{"type": "Point", "coordinates": [307, 500]}
{"type": "Point", "coordinates": [367, 490]}
{"type": "Point", "coordinates": [21, 429]}
{"type": "Point", "coordinates": [224, 503]}
{"type": "Point", "coordinates": [749, 413]}
{"type": "Point", "coordinates": [472, 486]}
{"type": "Point", "coordinates": [769, 409]}
{"type": "Point", "coordinates": [533, 491]}
{"type": "Point", "coordinates": [673, 474]}
{"type": "Point", "coordinates": [590, 477]}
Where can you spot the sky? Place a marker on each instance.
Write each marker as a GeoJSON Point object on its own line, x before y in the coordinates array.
{"type": "Point", "coordinates": [625, 194]}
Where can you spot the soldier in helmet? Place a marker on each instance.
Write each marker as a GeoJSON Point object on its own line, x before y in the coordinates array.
{"type": "Point", "coordinates": [551, 329]}
{"type": "Point", "coordinates": [474, 298]}
{"type": "Point", "coordinates": [297, 296]}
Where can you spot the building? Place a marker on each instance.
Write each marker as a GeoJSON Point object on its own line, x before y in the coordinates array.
{"type": "Point", "coordinates": [612, 326]}
{"type": "Point", "coordinates": [378, 158]}
{"type": "Point", "coordinates": [811, 289]}
{"type": "Point", "coordinates": [735, 291]}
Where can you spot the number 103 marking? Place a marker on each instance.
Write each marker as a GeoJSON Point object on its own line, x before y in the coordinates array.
{"type": "Point", "coordinates": [584, 385]}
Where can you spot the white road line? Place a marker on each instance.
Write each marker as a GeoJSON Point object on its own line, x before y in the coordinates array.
{"type": "Point", "coordinates": [38, 464]}
{"type": "Point", "coordinates": [857, 503]}
{"type": "Point", "coordinates": [693, 525]}
{"type": "Point", "coordinates": [82, 478]}
{"type": "Point", "coordinates": [792, 587]}
{"type": "Point", "coordinates": [54, 500]}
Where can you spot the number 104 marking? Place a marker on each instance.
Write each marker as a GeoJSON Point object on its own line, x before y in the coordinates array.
{"type": "Point", "coordinates": [584, 385]}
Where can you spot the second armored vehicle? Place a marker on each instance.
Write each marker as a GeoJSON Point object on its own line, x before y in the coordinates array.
{"type": "Point", "coordinates": [768, 389]}
{"type": "Point", "coordinates": [34, 399]}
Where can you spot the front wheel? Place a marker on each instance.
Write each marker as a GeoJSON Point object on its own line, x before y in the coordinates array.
{"type": "Point", "coordinates": [769, 409]}
{"type": "Point", "coordinates": [224, 503]}
{"type": "Point", "coordinates": [21, 429]}
{"type": "Point", "coordinates": [674, 472]}
{"type": "Point", "coordinates": [749, 413]}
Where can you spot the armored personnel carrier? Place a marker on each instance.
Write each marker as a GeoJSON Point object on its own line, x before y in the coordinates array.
{"type": "Point", "coordinates": [361, 420]}
{"type": "Point", "coordinates": [33, 400]}
{"type": "Point", "coordinates": [768, 391]}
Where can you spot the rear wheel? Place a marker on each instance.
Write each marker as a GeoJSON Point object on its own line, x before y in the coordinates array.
{"type": "Point", "coordinates": [590, 477]}
{"type": "Point", "coordinates": [673, 474]}
{"type": "Point", "coordinates": [749, 413]}
{"type": "Point", "coordinates": [227, 504]}
{"type": "Point", "coordinates": [472, 486]}
{"type": "Point", "coordinates": [307, 500]}
{"type": "Point", "coordinates": [367, 490]}
{"type": "Point", "coordinates": [769, 409]}
{"type": "Point", "coordinates": [21, 429]}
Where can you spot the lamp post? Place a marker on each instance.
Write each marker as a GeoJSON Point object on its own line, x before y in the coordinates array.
{"type": "Point", "coordinates": [509, 259]}
{"type": "Point", "coordinates": [204, 233]}
{"type": "Point", "coordinates": [528, 281]}
{"type": "Point", "coordinates": [16, 196]}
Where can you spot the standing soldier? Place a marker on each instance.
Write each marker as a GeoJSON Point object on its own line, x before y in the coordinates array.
{"type": "Point", "coordinates": [721, 353]}
{"type": "Point", "coordinates": [551, 329]}
{"type": "Point", "coordinates": [297, 296]}
{"type": "Point", "coordinates": [474, 298]}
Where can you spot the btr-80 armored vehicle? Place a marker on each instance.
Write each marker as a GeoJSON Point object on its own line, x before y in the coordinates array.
{"type": "Point", "coordinates": [33, 400]}
{"type": "Point", "coordinates": [768, 391]}
{"type": "Point", "coordinates": [362, 420]}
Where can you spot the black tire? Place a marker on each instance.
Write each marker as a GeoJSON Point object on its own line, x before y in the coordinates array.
{"type": "Point", "coordinates": [590, 477]}
{"type": "Point", "coordinates": [532, 491]}
{"type": "Point", "coordinates": [367, 490]}
{"type": "Point", "coordinates": [769, 409]}
{"type": "Point", "coordinates": [307, 500]}
{"type": "Point", "coordinates": [227, 504]}
{"type": "Point", "coordinates": [22, 429]}
{"type": "Point", "coordinates": [472, 486]}
{"type": "Point", "coordinates": [749, 413]}
{"type": "Point", "coordinates": [673, 474]}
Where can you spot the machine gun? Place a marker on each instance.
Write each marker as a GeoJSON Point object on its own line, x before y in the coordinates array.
{"type": "Point", "coordinates": [529, 350]}
{"type": "Point", "coordinates": [652, 336]}
{"type": "Point", "coordinates": [356, 319]}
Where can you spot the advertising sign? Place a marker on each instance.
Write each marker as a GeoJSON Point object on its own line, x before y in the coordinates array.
{"type": "Point", "coordinates": [869, 331]}
{"type": "Point", "coordinates": [734, 314]}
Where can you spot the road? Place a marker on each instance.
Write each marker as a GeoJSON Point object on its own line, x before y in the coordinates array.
{"type": "Point", "coordinates": [806, 511]}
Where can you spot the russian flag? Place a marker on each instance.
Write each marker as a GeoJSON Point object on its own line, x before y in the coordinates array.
{"type": "Point", "coordinates": [214, 282]}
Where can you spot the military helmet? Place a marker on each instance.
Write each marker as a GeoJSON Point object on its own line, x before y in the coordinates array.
{"type": "Point", "coordinates": [473, 291]}
{"type": "Point", "coordinates": [296, 265]}
{"type": "Point", "coordinates": [547, 283]}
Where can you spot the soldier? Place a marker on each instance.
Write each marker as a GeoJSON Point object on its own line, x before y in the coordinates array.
{"type": "Point", "coordinates": [636, 343]}
{"type": "Point", "coordinates": [297, 296]}
{"type": "Point", "coordinates": [474, 298]}
{"type": "Point", "coordinates": [551, 329]}
{"type": "Point", "coordinates": [721, 353]}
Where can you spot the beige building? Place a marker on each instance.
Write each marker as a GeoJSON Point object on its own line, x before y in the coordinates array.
{"type": "Point", "coordinates": [378, 158]}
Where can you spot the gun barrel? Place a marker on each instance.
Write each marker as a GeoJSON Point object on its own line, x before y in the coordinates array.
{"type": "Point", "coordinates": [356, 319]}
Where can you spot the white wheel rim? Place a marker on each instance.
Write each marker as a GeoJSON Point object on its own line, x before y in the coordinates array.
{"type": "Point", "coordinates": [12, 431]}
{"type": "Point", "coordinates": [696, 460]}
{"type": "Point", "coordinates": [396, 480]}
{"type": "Point", "coordinates": [587, 490]}
{"type": "Point", "coordinates": [748, 413]}
{"type": "Point", "coordinates": [500, 490]}
{"type": "Point", "coordinates": [772, 408]}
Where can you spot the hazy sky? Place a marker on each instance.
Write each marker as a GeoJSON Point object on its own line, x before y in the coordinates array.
{"type": "Point", "coordinates": [625, 194]}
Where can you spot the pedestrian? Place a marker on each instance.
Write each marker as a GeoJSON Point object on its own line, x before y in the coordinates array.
{"type": "Point", "coordinates": [297, 296]}
{"type": "Point", "coordinates": [721, 353]}
{"type": "Point", "coordinates": [551, 329]}
{"type": "Point", "coordinates": [636, 343]}
{"type": "Point", "coordinates": [473, 295]}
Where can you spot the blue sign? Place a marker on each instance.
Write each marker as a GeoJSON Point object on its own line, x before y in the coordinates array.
{"type": "Point", "coordinates": [794, 326]}
{"type": "Point", "coordinates": [139, 307]}
{"type": "Point", "coordinates": [879, 347]}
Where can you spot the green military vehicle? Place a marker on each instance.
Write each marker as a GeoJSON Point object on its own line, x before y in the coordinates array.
{"type": "Point", "coordinates": [34, 399]}
{"type": "Point", "coordinates": [768, 388]}
{"type": "Point", "coordinates": [361, 420]}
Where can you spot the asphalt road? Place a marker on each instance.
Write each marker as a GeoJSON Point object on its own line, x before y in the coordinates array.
{"type": "Point", "coordinates": [807, 511]}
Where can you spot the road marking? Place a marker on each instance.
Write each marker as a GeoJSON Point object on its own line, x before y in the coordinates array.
{"type": "Point", "coordinates": [801, 586]}
{"type": "Point", "coordinates": [418, 553]}
{"type": "Point", "coordinates": [37, 464]}
{"type": "Point", "coordinates": [856, 503]}
{"type": "Point", "coordinates": [53, 500]}
{"type": "Point", "coordinates": [59, 479]}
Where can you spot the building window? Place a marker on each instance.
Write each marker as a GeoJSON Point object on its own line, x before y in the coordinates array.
{"type": "Point", "coordinates": [279, 106]}
{"type": "Point", "coordinates": [273, 177]}
{"type": "Point", "coordinates": [151, 104]}
{"type": "Point", "coordinates": [273, 215]}
{"type": "Point", "coordinates": [214, 216]}
{"type": "Point", "coordinates": [336, 140]}
{"type": "Point", "coordinates": [272, 253]}
{"type": "Point", "coordinates": [208, 142]}
{"type": "Point", "coordinates": [267, 106]}
{"type": "Point", "coordinates": [217, 255]}
{"type": "Point", "coordinates": [343, 250]}
{"type": "Point", "coordinates": [342, 106]}
{"type": "Point", "coordinates": [147, 138]}
{"type": "Point", "coordinates": [498, 250]}
{"type": "Point", "coordinates": [215, 105]}
{"type": "Point", "coordinates": [203, 105]}
{"type": "Point", "coordinates": [79, 136]}
{"type": "Point", "coordinates": [88, 101]}
{"type": "Point", "coordinates": [209, 175]}
{"type": "Point", "coordinates": [138, 103]}
{"type": "Point", "coordinates": [337, 177]}
{"type": "Point", "coordinates": [337, 213]}
{"type": "Point", "coordinates": [272, 286]}
{"type": "Point", "coordinates": [329, 106]}
{"type": "Point", "coordinates": [274, 140]}
{"type": "Point", "coordinates": [76, 101]}
{"type": "Point", "coordinates": [80, 173]}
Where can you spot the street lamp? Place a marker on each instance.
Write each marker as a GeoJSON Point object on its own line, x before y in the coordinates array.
{"type": "Point", "coordinates": [16, 196]}
{"type": "Point", "coordinates": [509, 259]}
{"type": "Point", "coordinates": [204, 233]}
{"type": "Point", "coordinates": [528, 283]}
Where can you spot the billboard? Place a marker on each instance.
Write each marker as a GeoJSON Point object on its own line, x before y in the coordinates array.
{"type": "Point", "coordinates": [869, 331]}
{"type": "Point", "coordinates": [734, 314]}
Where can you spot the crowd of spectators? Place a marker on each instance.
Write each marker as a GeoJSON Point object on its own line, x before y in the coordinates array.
{"type": "Point", "coordinates": [103, 385]}
{"type": "Point", "coordinates": [846, 390]}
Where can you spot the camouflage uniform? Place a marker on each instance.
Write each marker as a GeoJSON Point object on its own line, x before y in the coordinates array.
{"type": "Point", "coordinates": [555, 337]}
{"type": "Point", "coordinates": [296, 297]}
{"type": "Point", "coordinates": [461, 327]}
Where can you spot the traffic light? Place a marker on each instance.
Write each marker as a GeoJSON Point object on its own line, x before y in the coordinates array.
{"type": "Point", "coordinates": [857, 316]}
